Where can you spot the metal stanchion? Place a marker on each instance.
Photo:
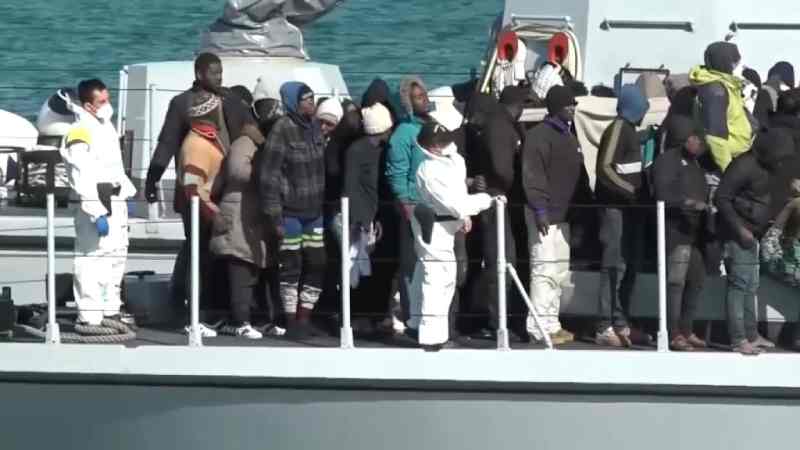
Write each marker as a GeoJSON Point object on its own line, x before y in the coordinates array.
{"type": "Point", "coordinates": [502, 326]}
{"type": "Point", "coordinates": [346, 333]}
{"type": "Point", "coordinates": [195, 337]}
{"type": "Point", "coordinates": [53, 332]}
{"type": "Point", "coordinates": [663, 335]}
{"type": "Point", "coordinates": [532, 311]}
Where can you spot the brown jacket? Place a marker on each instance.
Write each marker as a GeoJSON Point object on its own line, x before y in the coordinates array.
{"type": "Point", "coordinates": [238, 230]}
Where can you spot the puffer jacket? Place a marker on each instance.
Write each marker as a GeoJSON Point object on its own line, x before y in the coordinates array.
{"type": "Point", "coordinates": [744, 195]}
{"type": "Point", "coordinates": [238, 227]}
{"type": "Point", "coordinates": [728, 124]}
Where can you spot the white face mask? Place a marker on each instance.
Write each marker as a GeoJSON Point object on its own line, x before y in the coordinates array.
{"type": "Point", "coordinates": [105, 112]}
{"type": "Point", "coordinates": [450, 150]}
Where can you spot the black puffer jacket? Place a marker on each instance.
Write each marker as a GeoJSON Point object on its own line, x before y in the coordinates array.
{"type": "Point", "coordinates": [745, 193]}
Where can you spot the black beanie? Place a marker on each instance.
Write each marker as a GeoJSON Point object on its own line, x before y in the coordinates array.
{"type": "Point", "coordinates": [559, 97]}
{"type": "Point", "coordinates": [752, 76]}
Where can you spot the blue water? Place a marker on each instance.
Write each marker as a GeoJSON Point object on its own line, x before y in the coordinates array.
{"type": "Point", "coordinates": [52, 43]}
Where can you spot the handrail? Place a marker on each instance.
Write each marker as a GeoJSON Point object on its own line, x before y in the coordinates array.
{"type": "Point", "coordinates": [764, 26]}
{"type": "Point", "coordinates": [685, 25]}
{"type": "Point", "coordinates": [525, 19]}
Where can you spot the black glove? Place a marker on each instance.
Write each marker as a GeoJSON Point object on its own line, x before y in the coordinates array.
{"type": "Point", "coordinates": [542, 223]}
{"type": "Point", "coordinates": [151, 192]}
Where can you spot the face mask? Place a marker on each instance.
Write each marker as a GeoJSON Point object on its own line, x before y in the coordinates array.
{"type": "Point", "coordinates": [450, 150]}
{"type": "Point", "coordinates": [105, 112]}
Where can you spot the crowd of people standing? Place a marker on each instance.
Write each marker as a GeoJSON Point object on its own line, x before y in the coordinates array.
{"type": "Point", "coordinates": [270, 167]}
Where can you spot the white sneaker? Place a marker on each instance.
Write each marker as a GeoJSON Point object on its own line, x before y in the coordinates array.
{"type": "Point", "coordinates": [248, 332]}
{"type": "Point", "coordinates": [273, 330]}
{"type": "Point", "coordinates": [205, 331]}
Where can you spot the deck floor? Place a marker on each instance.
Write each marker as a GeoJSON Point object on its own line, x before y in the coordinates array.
{"type": "Point", "coordinates": [171, 337]}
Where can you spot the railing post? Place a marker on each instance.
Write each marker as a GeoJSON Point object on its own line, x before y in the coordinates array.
{"type": "Point", "coordinates": [195, 337]}
{"type": "Point", "coordinates": [502, 326]}
{"type": "Point", "coordinates": [663, 335]}
{"type": "Point", "coordinates": [513, 272]}
{"type": "Point", "coordinates": [53, 332]}
{"type": "Point", "coordinates": [346, 333]}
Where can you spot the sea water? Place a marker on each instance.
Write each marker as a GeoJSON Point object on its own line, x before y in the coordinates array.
{"type": "Point", "coordinates": [47, 44]}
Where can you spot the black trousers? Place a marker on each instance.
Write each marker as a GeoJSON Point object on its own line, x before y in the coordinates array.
{"type": "Point", "coordinates": [249, 286]}
{"type": "Point", "coordinates": [686, 275]}
{"type": "Point", "coordinates": [181, 281]}
{"type": "Point", "coordinates": [487, 281]}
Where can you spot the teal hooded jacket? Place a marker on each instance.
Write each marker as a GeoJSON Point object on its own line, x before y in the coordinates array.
{"type": "Point", "coordinates": [403, 160]}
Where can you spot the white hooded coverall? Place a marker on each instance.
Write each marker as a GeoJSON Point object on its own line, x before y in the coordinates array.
{"type": "Point", "coordinates": [441, 183]}
{"type": "Point", "coordinates": [93, 155]}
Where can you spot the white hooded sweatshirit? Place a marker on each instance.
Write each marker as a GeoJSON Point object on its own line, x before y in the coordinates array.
{"type": "Point", "coordinates": [92, 154]}
{"type": "Point", "coordinates": [441, 183]}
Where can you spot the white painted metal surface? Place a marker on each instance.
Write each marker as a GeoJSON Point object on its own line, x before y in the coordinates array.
{"type": "Point", "coordinates": [53, 335]}
{"type": "Point", "coordinates": [195, 337]}
{"type": "Point", "coordinates": [502, 302]}
{"type": "Point", "coordinates": [346, 333]}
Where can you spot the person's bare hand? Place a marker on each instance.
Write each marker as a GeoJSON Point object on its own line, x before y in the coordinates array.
{"type": "Point", "coordinates": [467, 226]}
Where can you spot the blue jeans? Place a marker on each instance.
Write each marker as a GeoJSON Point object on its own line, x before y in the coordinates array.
{"type": "Point", "coordinates": [743, 282]}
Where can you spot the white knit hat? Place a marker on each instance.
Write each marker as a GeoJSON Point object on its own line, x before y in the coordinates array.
{"type": "Point", "coordinates": [377, 119]}
{"type": "Point", "coordinates": [331, 110]}
{"type": "Point", "coordinates": [546, 77]}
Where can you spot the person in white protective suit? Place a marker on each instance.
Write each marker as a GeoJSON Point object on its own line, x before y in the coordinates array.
{"type": "Point", "coordinates": [97, 178]}
{"type": "Point", "coordinates": [445, 208]}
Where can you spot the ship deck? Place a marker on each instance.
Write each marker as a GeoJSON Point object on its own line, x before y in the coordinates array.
{"type": "Point", "coordinates": [162, 336]}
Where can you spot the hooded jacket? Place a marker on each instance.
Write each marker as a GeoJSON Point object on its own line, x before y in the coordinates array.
{"type": "Point", "coordinates": [500, 141]}
{"type": "Point", "coordinates": [346, 132]}
{"type": "Point", "coordinates": [292, 173]}
{"type": "Point", "coordinates": [378, 92]}
{"type": "Point", "coordinates": [780, 77]}
{"type": "Point", "coordinates": [404, 156]}
{"type": "Point", "coordinates": [744, 195]}
{"type": "Point", "coordinates": [238, 228]}
{"type": "Point", "coordinates": [727, 122]}
{"type": "Point", "coordinates": [619, 158]}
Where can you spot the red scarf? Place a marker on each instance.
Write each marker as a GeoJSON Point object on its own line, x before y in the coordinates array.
{"type": "Point", "coordinates": [206, 130]}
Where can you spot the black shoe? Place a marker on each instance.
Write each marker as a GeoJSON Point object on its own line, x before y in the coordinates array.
{"type": "Point", "coordinates": [491, 335]}
{"type": "Point", "coordinates": [299, 331]}
{"type": "Point", "coordinates": [437, 347]}
{"type": "Point", "coordinates": [411, 334]}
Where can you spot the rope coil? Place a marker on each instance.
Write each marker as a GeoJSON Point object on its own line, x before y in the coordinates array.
{"type": "Point", "coordinates": [110, 331]}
